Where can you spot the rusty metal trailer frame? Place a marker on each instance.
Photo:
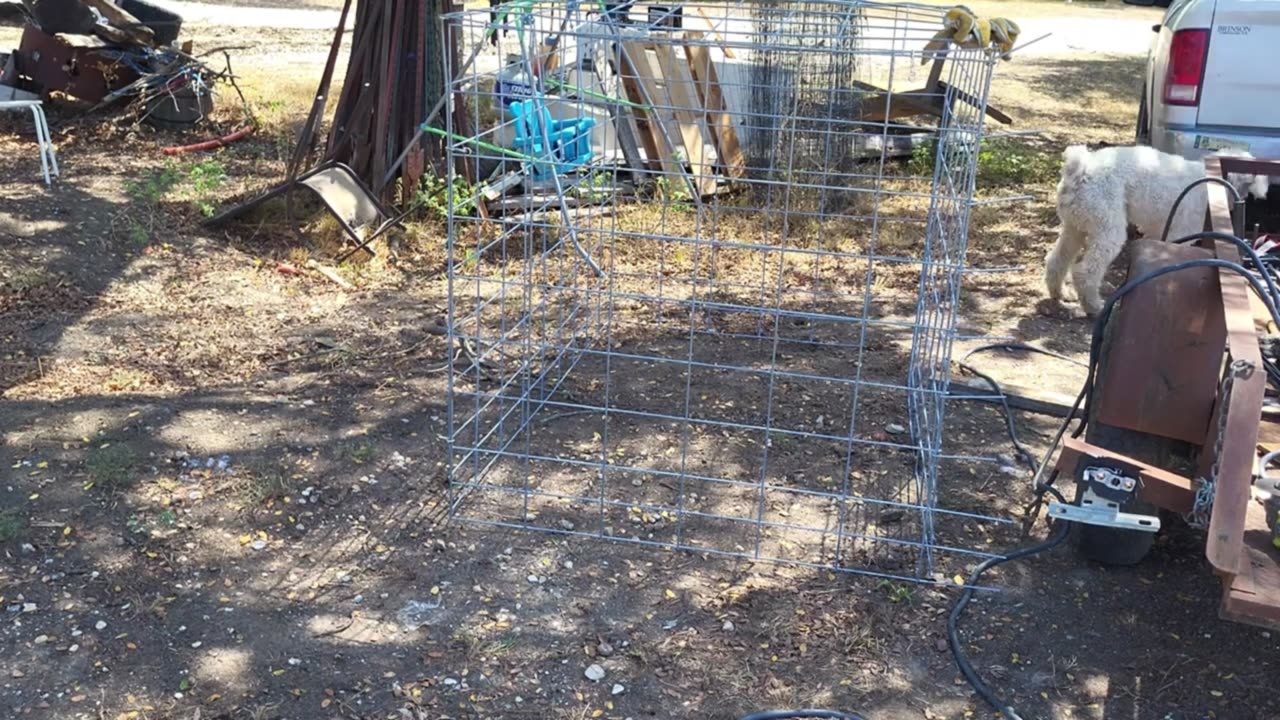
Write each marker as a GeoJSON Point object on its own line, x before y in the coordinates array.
{"type": "Point", "coordinates": [1185, 364]}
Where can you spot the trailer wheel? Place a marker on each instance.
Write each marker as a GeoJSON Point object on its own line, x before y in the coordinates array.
{"type": "Point", "coordinates": [1112, 546]}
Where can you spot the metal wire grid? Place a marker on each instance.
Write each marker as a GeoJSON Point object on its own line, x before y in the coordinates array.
{"type": "Point", "coordinates": [720, 371]}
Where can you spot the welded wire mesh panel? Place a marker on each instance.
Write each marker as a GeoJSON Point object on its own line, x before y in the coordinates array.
{"type": "Point", "coordinates": [711, 297]}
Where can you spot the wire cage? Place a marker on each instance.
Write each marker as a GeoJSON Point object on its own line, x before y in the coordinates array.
{"type": "Point", "coordinates": [705, 264]}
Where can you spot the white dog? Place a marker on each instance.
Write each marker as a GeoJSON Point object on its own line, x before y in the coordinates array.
{"type": "Point", "coordinates": [1104, 191]}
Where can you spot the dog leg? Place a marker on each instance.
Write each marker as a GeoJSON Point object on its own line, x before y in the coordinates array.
{"type": "Point", "coordinates": [1070, 243]}
{"type": "Point", "coordinates": [1088, 274]}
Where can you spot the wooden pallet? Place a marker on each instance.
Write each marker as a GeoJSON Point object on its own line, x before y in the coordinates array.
{"type": "Point", "coordinates": [679, 112]}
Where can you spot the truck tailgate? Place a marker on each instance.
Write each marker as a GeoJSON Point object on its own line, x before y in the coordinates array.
{"type": "Point", "coordinates": [1241, 85]}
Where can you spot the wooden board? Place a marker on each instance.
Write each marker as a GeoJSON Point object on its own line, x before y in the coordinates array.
{"type": "Point", "coordinates": [639, 69]}
{"type": "Point", "coordinates": [718, 118]}
{"type": "Point", "coordinates": [724, 45]}
{"type": "Point", "coordinates": [621, 117]}
{"type": "Point", "coordinates": [689, 116]}
{"type": "Point", "coordinates": [638, 119]}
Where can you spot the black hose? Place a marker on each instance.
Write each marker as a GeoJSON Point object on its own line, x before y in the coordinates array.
{"type": "Point", "coordinates": [997, 392]}
{"type": "Point", "coordinates": [953, 620]}
{"type": "Point", "coordinates": [1017, 346]}
{"type": "Point", "coordinates": [1024, 455]}
{"type": "Point", "coordinates": [800, 714]}
{"type": "Point", "coordinates": [1243, 246]}
{"type": "Point", "coordinates": [1168, 223]}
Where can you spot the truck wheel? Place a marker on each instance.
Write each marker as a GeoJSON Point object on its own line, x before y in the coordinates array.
{"type": "Point", "coordinates": [1112, 546]}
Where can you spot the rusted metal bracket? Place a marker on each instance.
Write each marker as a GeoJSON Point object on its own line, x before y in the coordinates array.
{"type": "Point", "coordinates": [1157, 486]}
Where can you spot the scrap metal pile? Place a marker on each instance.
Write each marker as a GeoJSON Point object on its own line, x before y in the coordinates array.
{"type": "Point", "coordinates": [395, 73]}
{"type": "Point", "coordinates": [103, 52]}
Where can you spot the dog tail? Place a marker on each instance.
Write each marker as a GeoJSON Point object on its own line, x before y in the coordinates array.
{"type": "Point", "coordinates": [1074, 159]}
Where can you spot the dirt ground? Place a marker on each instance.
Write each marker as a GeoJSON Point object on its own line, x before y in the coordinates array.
{"type": "Point", "coordinates": [221, 485]}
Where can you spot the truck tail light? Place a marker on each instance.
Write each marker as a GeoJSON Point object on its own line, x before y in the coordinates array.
{"type": "Point", "coordinates": [1185, 72]}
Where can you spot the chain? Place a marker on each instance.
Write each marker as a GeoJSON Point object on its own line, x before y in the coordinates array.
{"type": "Point", "coordinates": [1202, 508]}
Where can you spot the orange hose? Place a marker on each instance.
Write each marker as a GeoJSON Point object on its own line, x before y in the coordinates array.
{"type": "Point", "coordinates": [208, 144]}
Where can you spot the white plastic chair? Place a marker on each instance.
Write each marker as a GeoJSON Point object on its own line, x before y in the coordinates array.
{"type": "Point", "coordinates": [48, 159]}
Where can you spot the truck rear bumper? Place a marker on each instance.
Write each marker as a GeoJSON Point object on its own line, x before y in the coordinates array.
{"type": "Point", "coordinates": [1196, 143]}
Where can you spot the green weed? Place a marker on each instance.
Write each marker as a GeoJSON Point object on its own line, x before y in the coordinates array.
{"type": "Point", "coordinates": [205, 178]}
{"type": "Point", "coordinates": [12, 523]}
{"type": "Point", "coordinates": [896, 592]}
{"type": "Point", "coordinates": [596, 187]}
{"type": "Point", "coordinates": [111, 468]}
{"type": "Point", "coordinates": [151, 188]}
{"type": "Point", "coordinates": [359, 453]}
{"type": "Point", "coordinates": [433, 195]}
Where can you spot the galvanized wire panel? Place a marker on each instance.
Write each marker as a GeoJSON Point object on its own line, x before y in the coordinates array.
{"type": "Point", "coordinates": [736, 348]}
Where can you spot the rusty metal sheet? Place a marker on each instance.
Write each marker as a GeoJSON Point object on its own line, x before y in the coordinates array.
{"type": "Point", "coordinates": [79, 66]}
{"type": "Point", "coordinates": [1157, 486]}
{"type": "Point", "coordinates": [1235, 459]}
{"type": "Point", "coordinates": [1246, 166]}
{"type": "Point", "coordinates": [1168, 336]}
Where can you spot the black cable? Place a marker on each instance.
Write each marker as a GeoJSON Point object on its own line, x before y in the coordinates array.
{"type": "Point", "coordinates": [1037, 468]}
{"type": "Point", "coordinates": [997, 392]}
{"type": "Point", "coordinates": [1242, 245]}
{"type": "Point", "coordinates": [799, 714]}
{"type": "Point", "coordinates": [1273, 372]}
{"type": "Point", "coordinates": [1017, 346]}
{"type": "Point", "coordinates": [1173, 210]}
{"type": "Point", "coordinates": [953, 632]}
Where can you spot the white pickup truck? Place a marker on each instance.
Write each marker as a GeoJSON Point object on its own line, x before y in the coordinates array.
{"type": "Point", "coordinates": [1213, 79]}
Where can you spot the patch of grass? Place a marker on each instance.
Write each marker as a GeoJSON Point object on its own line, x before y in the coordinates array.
{"type": "Point", "coordinates": [111, 468]}
{"type": "Point", "coordinates": [1006, 161]}
{"type": "Point", "coordinates": [12, 524]}
{"type": "Point", "coordinates": [359, 452]}
{"type": "Point", "coordinates": [197, 183]}
{"type": "Point", "coordinates": [25, 278]}
{"type": "Point", "coordinates": [260, 486]}
{"type": "Point", "coordinates": [1001, 162]}
{"type": "Point", "coordinates": [126, 380]}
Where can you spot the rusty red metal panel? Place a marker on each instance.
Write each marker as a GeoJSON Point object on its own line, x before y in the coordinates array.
{"type": "Point", "coordinates": [1168, 336]}
{"type": "Point", "coordinates": [1237, 443]}
{"type": "Point", "coordinates": [1157, 486]}
{"type": "Point", "coordinates": [78, 65]}
{"type": "Point", "coordinates": [1243, 166]}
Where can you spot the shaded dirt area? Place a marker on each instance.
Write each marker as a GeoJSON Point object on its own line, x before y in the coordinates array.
{"type": "Point", "coordinates": [222, 494]}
